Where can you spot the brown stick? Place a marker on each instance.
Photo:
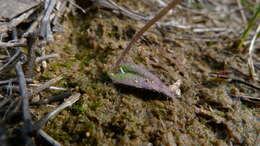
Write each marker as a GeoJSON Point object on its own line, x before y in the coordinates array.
{"type": "Point", "coordinates": [162, 13]}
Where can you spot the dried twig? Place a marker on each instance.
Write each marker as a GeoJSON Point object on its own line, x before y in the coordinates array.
{"type": "Point", "coordinates": [61, 8]}
{"type": "Point", "coordinates": [5, 45]}
{"type": "Point", "coordinates": [11, 61]}
{"type": "Point", "coordinates": [16, 21]}
{"type": "Point", "coordinates": [42, 58]}
{"type": "Point", "coordinates": [136, 16]}
{"type": "Point", "coordinates": [194, 29]}
{"type": "Point", "coordinates": [53, 98]}
{"type": "Point", "coordinates": [25, 103]}
{"type": "Point", "coordinates": [9, 113]}
{"type": "Point", "coordinates": [50, 87]}
{"type": "Point", "coordinates": [110, 4]}
{"type": "Point", "coordinates": [11, 103]}
{"type": "Point", "coordinates": [45, 30]}
{"type": "Point", "coordinates": [199, 30]}
{"type": "Point", "coordinates": [13, 80]}
{"type": "Point", "coordinates": [45, 85]}
{"type": "Point", "coordinates": [33, 27]}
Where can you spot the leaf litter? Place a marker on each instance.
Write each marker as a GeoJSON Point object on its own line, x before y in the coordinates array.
{"type": "Point", "coordinates": [138, 77]}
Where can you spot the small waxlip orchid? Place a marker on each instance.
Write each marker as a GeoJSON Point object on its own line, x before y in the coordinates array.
{"type": "Point", "coordinates": [138, 77]}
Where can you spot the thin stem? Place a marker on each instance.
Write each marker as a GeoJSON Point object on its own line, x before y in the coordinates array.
{"type": "Point", "coordinates": [162, 13]}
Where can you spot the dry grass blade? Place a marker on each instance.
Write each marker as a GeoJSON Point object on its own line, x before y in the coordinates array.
{"type": "Point", "coordinates": [46, 85]}
{"type": "Point", "coordinates": [250, 59]}
{"type": "Point", "coordinates": [5, 45]}
{"type": "Point", "coordinates": [50, 87]}
{"type": "Point", "coordinates": [137, 36]}
{"type": "Point", "coordinates": [110, 4]}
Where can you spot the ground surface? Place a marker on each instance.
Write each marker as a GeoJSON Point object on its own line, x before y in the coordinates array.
{"type": "Point", "coordinates": [112, 115]}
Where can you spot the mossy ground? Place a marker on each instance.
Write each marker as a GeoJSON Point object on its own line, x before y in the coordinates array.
{"type": "Point", "coordinates": [107, 114]}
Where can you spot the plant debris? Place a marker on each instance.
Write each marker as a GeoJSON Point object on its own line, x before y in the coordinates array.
{"type": "Point", "coordinates": [60, 53]}
{"type": "Point", "coordinates": [24, 27]}
{"type": "Point", "coordinates": [138, 77]}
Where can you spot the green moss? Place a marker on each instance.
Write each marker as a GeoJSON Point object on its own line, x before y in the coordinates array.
{"type": "Point", "coordinates": [198, 5]}
{"type": "Point", "coordinates": [47, 75]}
{"type": "Point", "coordinates": [90, 125]}
{"type": "Point", "coordinates": [85, 61]}
{"type": "Point", "coordinates": [66, 48]}
{"type": "Point", "coordinates": [96, 105]}
{"type": "Point", "coordinates": [78, 109]}
{"type": "Point", "coordinates": [61, 135]}
{"type": "Point", "coordinates": [249, 6]}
